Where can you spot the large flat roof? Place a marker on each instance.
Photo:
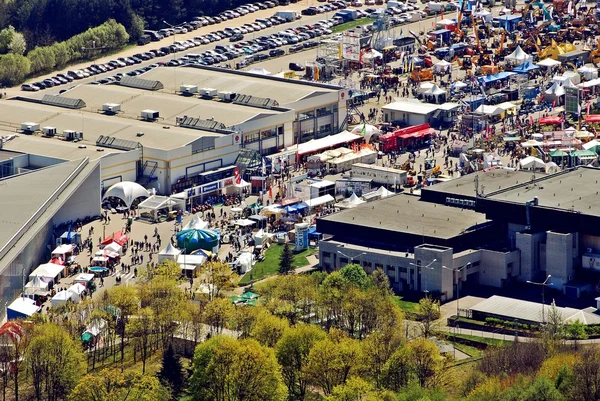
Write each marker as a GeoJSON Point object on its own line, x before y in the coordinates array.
{"type": "Point", "coordinates": [487, 182]}
{"type": "Point", "coordinates": [283, 91]}
{"type": "Point", "coordinates": [417, 107]}
{"type": "Point", "coordinates": [23, 195]}
{"type": "Point", "coordinates": [170, 106]}
{"type": "Point", "coordinates": [57, 148]}
{"type": "Point", "coordinates": [406, 214]}
{"type": "Point", "coordinates": [573, 190]}
{"type": "Point", "coordinates": [13, 113]}
{"type": "Point", "coordinates": [8, 155]}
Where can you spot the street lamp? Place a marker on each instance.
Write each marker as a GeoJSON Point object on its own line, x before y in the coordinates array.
{"type": "Point", "coordinates": [426, 267]}
{"type": "Point", "coordinates": [543, 284]}
{"type": "Point", "coordinates": [456, 322]}
{"type": "Point", "coordinates": [350, 257]}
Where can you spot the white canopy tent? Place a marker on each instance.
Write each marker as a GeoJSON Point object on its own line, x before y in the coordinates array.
{"type": "Point", "coordinates": [127, 191]}
{"type": "Point", "coordinates": [244, 222]}
{"type": "Point", "coordinates": [156, 203]}
{"type": "Point", "coordinates": [555, 91]}
{"type": "Point", "coordinates": [486, 15]}
{"type": "Point", "coordinates": [459, 85]}
{"type": "Point", "coordinates": [259, 71]}
{"type": "Point", "coordinates": [21, 307]}
{"type": "Point", "coordinates": [442, 66]}
{"type": "Point", "coordinates": [49, 270]}
{"type": "Point", "coordinates": [518, 57]}
{"type": "Point", "coordinates": [196, 223]}
{"type": "Point", "coordinates": [63, 250]}
{"type": "Point", "coordinates": [321, 200]}
{"type": "Point", "coordinates": [548, 62]}
{"type": "Point", "coordinates": [62, 297]}
{"type": "Point", "coordinates": [77, 289]}
{"type": "Point", "coordinates": [425, 86]}
{"type": "Point", "coordinates": [532, 163]}
{"type": "Point", "coordinates": [350, 202]}
{"type": "Point", "coordinates": [435, 93]}
{"type": "Point", "coordinates": [591, 145]}
{"type": "Point", "coordinates": [589, 72]}
{"type": "Point", "coordinates": [242, 184]}
{"type": "Point", "coordinates": [195, 260]}
{"type": "Point", "coordinates": [245, 262]}
{"type": "Point", "coordinates": [489, 110]}
{"type": "Point", "coordinates": [113, 247]}
{"type": "Point", "coordinates": [327, 142]}
{"type": "Point", "coordinates": [530, 144]}
{"type": "Point", "coordinates": [169, 253]}
{"type": "Point", "coordinates": [384, 193]}
{"type": "Point", "coordinates": [37, 286]}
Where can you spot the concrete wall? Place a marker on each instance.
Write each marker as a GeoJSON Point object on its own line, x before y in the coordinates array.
{"type": "Point", "coordinates": [560, 256]}
{"type": "Point", "coordinates": [119, 167]}
{"type": "Point", "coordinates": [436, 278]}
{"type": "Point", "coordinates": [529, 245]}
{"type": "Point", "coordinates": [86, 201]}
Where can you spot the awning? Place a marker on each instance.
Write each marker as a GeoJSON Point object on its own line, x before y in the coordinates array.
{"type": "Point", "coordinates": [328, 142]}
{"type": "Point", "coordinates": [558, 153]}
{"type": "Point", "coordinates": [550, 120]}
{"type": "Point", "coordinates": [321, 200]}
{"type": "Point", "coordinates": [418, 134]}
{"type": "Point", "coordinates": [592, 118]}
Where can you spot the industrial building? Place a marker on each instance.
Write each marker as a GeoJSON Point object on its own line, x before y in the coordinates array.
{"type": "Point", "coordinates": [492, 228]}
{"type": "Point", "coordinates": [167, 127]}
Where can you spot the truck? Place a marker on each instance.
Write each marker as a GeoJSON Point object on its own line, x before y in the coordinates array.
{"type": "Point", "coordinates": [354, 13]}
{"type": "Point", "coordinates": [344, 15]}
{"type": "Point", "coordinates": [436, 7]}
{"type": "Point", "coordinates": [288, 15]}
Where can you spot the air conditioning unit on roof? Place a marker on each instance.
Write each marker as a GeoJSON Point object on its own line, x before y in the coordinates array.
{"type": "Point", "coordinates": [208, 92]}
{"type": "Point", "coordinates": [30, 128]}
{"type": "Point", "coordinates": [228, 96]}
{"type": "Point", "coordinates": [149, 115]}
{"type": "Point", "coordinates": [111, 108]}
{"type": "Point", "coordinates": [188, 89]}
{"type": "Point", "coordinates": [49, 131]}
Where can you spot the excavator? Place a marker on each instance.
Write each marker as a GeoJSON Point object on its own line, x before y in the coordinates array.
{"type": "Point", "coordinates": [502, 41]}
{"type": "Point", "coordinates": [420, 74]}
{"type": "Point", "coordinates": [429, 45]}
{"type": "Point", "coordinates": [555, 49]}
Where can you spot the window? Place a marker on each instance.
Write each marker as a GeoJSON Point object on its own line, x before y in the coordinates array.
{"type": "Point", "coordinates": [326, 254]}
{"type": "Point", "coordinates": [378, 266]}
{"type": "Point", "coordinates": [305, 115]}
{"type": "Point", "coordinates": [323, 111]}
{"type": "Point", "coordinates": [324, 129]}
{"type": "Point", "coordinates": [251, 137]}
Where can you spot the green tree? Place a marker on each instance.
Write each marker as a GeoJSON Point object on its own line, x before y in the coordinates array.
{"type": "Point", "coordinates": [355, 275]}
{"type": "Point", "coordinates": [268, 329]}
{"type": "Point", "coordinates": [286, 260]}
{"type": "Point", "coordinates": [225, 369]}
{"type": "Point", "coordinates": [355, 389]}
{"type": "Point", "coordinates": [136, 27]}
{"type": "Point", "coordinates": [426, 360]}
{"type": "Point", "coordinates": [171, 372]}
{"type": "Point", "coordinates": [17, 44]}
{"type": "Point", "coordinates": [219, 277]}
{"type": "Point", "coordinates": [586, 386]}
{"type": "Point", "coordinates": [398, 369]}
{"type": "Point", "coordinates": [330, 363]}
{"type": "Point", "coordinates": [42, 59]}
{"type": "Point", "coordinates": [62, 54]}
{"type": "Point", "coordinates": [576, 331]}
{"type": "Point", "coordinates": [54, 362]}
{"type": "Point", "coordinates": [114, 385]}
{"type": "Point", "coordinates": [381, 282]}
{"type": "Point", "coordinates": [140, 329]}
{"type": "Point", "coordinates": [13, 69]}
{"type": "Point", "coordinates": [427, 312]}
{"type": "Point", "coordinates": [6, 36]}
{"type": "Point", "coordinates": [217, 313]}
{"type": "Point", "coordinates": [125, 299]}
{"type": "Point", "coordinates": [292, 354]}
{"type": "Point", "coordinates": [542, 389]}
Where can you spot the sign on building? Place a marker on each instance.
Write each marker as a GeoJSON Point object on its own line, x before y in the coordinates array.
{"type": "Point", "coordinates": [572, 100]}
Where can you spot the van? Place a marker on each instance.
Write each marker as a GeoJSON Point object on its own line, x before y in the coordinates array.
{"type": "Point", "coordinates": [144, 40]}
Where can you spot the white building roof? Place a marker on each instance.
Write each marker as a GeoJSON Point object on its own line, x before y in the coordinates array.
{"type": "Point", "coordinates": [412, 107]}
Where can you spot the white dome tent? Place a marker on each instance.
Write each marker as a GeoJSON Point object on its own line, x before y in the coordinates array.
{"type": "Point", "coordinates": [127, 191]}
{"type": "Point", "coordinates": [367, 130]}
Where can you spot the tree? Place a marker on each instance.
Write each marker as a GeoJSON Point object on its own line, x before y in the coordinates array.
{"type": "Point", "coordinates": [6, 36]}
{"type": "Point", "coordinates": [286, 260]}
{"type": "Point", "coordinates": [355, 389]}
{"type": "Point", "coordinates": [331, 363]}
{"type": "Point", "coordinates": [17, 44]}
{"type": "Point", "coordinates": [427, 312]}
{"type": "Point", "coordinates": [542, 389]}
{"type": "Point", "coordinates": [292, 354]}
{"type": "Point", "coordinates": [225, 369]}
{"type": "Point", "coordinates": [587, 375]}
{"type": "Point", "coordinates": [18, 335]}
{"type": "Point", "coordinates": [381, 282]}
{"type": "Point", "coordinates": [114, 385]}
{"type": "Point", "coordinates": [140, 329]}
{"type": "Point", "coordinates": [554, 327]}
{"type": "Point", "coordinates": [268, 329]}
{"type": "Point", "coordinates": [42, 59]}
{"type": "Point", "coordinates": [217, 313]}
{"type": "Point", "coordinates": [575, 331]}
{"type": "Point", "coordinates": [171, 372]}
{"type": "Point", "coordinates": [125, 299]}
{"type": "Point", "coordinates": [54, 362]}
{"type": "Point", "coordinates": [398, 369]}
{"type": "Point", "coordinates": [219, 277]}
{"type": "Point", "coordinates": [425, 359]}
{"type": "Point", "coordinates": [355, 275]}
{"type": "Point", "coordinates": [13, 69]}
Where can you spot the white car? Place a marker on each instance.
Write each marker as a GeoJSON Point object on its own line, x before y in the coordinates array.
{"type": "Point", "coordinates": [369, 2]}
{"type": "Point", "coordinates": [357, 3]}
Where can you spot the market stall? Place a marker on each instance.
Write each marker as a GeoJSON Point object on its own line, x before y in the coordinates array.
{"type": "Point", "coordinates": [65, 253]}
{"type": "Point", "coordinates": [169, 253]}
{"type": "Point", "coordinates": [21, 308]}
{"type": "Point", "coordinates": [157, 206]}
{"type": "Point", "coordinates": [50, 271]}
{"type": "Point", "coordinates": [118, 237]}
{"type": "Point", "coordinates": [190, 240]}
{"type": "Point", "coordinates": [196, 223]}
{"type": "Point", "coordinates": [62, 297]}
{"type": "Point", "coordinates": [532, 163]}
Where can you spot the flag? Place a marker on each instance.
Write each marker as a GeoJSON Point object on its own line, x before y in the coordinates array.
{"type": "Point", "coordinates": [530, 120]}
{"type": "Point", "coordinates": [588, 108]}
{"type": "Point", "coordinates": [69, 234]}
{"type": "Point", "coordinates": [363, 132]}
{"type": "Point", "coordinates": [401, 32]}
{"type": "Point", "coordinates": [264, 166]}
{"type": "Point", "coordinates": [236, 175]}
{"type": "Point", "coordinates": [553, 104]}
{"type": "Point", "coordinates": [570, 7]}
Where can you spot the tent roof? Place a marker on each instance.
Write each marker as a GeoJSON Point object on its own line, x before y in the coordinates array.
{"type": "Point", "coordinates": [194, 260]}
{"type": "Point", "coordinates": [50, 270]}
{"type": "Point", "coordinates": [526, 67]}
{"type": "Point", "coordinates": [77, 288]}
{"type": "Point", "coordinates": [63, 295]}
{"type": "Point", "coordinates": [355, 200]}
{"type": "Point", "coordinates": [548, 62]}
{"type": "Point", "coordinates": [170, 250]}
{"type": "Point", "coordinates": [127, 191]}
{"type": "Point", "coordinates": [196, 223]}
{"type": "Point", "coordinates": [157, 202]}
{"type": "Point", "coordinates": [25, 306]}
{"type": "Point", "coordinates": [330, 141]}
{"type": "Point", "coordinates": [435, 90]}
{"type": "Point", "coordinates": [62, 249]}
{"type": "Point", "coordinates": [384, 193]}
{"type": "Point", "coordinates": [532, 162]}
{"type": "Point", "coordinates": [489, 110]}
{"type": "Point", "coordinates": [259, 71]}
{"type": "Point", "coordinates": [321, 200]}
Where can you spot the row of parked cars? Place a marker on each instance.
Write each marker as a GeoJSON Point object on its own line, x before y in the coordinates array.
{"type": "Point", "coordinates": [325, 8]}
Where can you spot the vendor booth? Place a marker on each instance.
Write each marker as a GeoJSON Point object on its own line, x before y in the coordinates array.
{"type": "Point", "coordinates": [37, 287]}
{"type": "Point", "coordinates": [367, 131]}
{"type": "Point", "coordinates": [62, 297]}
{"type": "Point", "coordinates": [50, 271]}
{"type": "Point", "coordinates": [193, 239]}
{"type": "Point", "coordinates": [327, 142]}
{"type": "Point", "coordinates": [169, 253]}
{"type": "Point", "coordinates": [261, 221]}
{"type": "Point", "coordinates": [64, 253]}
{"type": "Point", "coordinates": [532, 163]}
{"type": "Point", "coordinates": [350, 202]}
{"type": "Point", "coordinates": [157, 207]}
{"type": "Point", "coordinates": [21, 308]}
{"type": "Point", "coordinates": [320, 201]}
{"type": "Point", "coordinates": [196, 223]}
{"type": "Point", "coordinates": [126, 191]}
{"type": "Point", "coordinates": [86, 279]}
{"type": "Point", "coordinates": [118, 237]}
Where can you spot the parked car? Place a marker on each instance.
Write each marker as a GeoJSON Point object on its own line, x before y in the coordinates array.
{"type": "Point", "coordinates": [296, 67]}
{"type": "Point", "coordinates": [29, 88]}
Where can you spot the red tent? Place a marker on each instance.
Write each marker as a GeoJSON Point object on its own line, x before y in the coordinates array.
{"type": "Point", "coordinates": [117, 237]}
{"type": "Point", "coordinates": [550, 120]}
{"type": "Point", "coordinates": [592, 118]}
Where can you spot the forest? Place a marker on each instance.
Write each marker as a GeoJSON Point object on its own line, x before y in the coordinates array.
{"type": "Point", "coordinates": [336, 337]}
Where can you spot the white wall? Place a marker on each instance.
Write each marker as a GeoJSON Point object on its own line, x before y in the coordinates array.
{"type": "Point", "coordinates": [118, 167]}
{"type": "Point", "coordinates": [85, 201]}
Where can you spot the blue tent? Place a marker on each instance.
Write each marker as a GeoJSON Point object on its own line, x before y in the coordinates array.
{"type": "Point", "coordinates": [525, 68]}
{"type": "Point", "coordinates": [488, 79]}
{"type": "Point", "coordinates": [297, 208]}
{"type": "Point", "coordinates": [194, 239]}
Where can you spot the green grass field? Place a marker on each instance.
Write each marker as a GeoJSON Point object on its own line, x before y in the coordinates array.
{"type": "Point", "coordinates": [352, 24]}
{"type": "Point", "coordinates": [483, 340]}
{"type": "Point", "coordinates": [270, 265]}
{"type": "Point", "coordinates": [406, 306]}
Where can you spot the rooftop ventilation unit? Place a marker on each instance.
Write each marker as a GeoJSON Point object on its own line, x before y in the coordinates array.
{"type": "Point", "coordinates": [30, 128]}
{"type": "Point", "coordinates": [149, 115]}
{"type": "Point", "coordinates": [111, 108]}
{"type": "Point", "coordinates": [226, 96]}
{"type": "Point", "coordinates": [49, 131]}
{"type": "Point", "coordinates": [188, 89]}
{"type": "Point", "coordinates": [71, 135]}
{"type": "Point", "coordinates": [208, 92]}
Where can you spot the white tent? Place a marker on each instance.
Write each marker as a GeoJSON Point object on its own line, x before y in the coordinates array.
{"type": "Point", "coordinates": [245, 262]}
{"type": "Point", "coordinates": [36, 286]}
{"type": "Point", "coordinates": [552, 167]}
{"type": "Point", "coordinates": [530, 143]}
{"type": "Point", "coordinates": [113, 247]}
{"type": "Point", "coordinates": [366, 130]}
{"type": "Point", "coordinates": [242, 184]}
{"type": "Point", "coordinates": [384, 193]}
{"type": "Point", "coordinates": [518, 57]}
{"type": "Point", "coordinates": [459, 85]}
{"type": "Point", "coordinates": [321, 200]}
{"type": "Point", "coordinates": [589, 72]}
{"type": "Point", "coordinates": [127, 191]}
{"type": "Point", "coordinates": [486, 15]}
{"type": "Point", "coordinates": [350, 202]}
{"type": "Point", "coordinates": [77, 289]}
{"type": "Point", "coordinates": [259, 71]}
{"type": "Point", "coordinates": [49, 270]}
{"type": "Point", "coordinates": [327, 142]}
{"type": "Point", "coordinates": [156, 203]}
{"type": "Point", "coordinates": [489, 110]}
{"type": "Point", "coordinates": [442, 66]}
{"type": "Point", "coordinates": [63, 249]}
{"type": "Point", "coordinates": [244, 222]}
{"type": "Point", "coordinates": [196, 223]}
{"type": "Point", "coordinates": [531, 163]}
{"type": "Point", "coordinates": [62, 297]}
{"type": "Point", "coordinates": [169, 253]}
{"type": "Point", "coordinates": [591, 145]}
{"type": "Point", "coordinates": [21, 307]}
{"type": "Point", "coordinates": [548, 62]}
{"type": "Point", "coordinates": [425, 86]}
{"type": "Point", "coordinates": [194, 260]}
{"type": "Point", "coordinates": [436, 92]}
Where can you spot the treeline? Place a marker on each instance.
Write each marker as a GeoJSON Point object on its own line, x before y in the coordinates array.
{"type": "Point", "coordinates": [15, 67]}
{"type": "Point", "coordinates": [44, 22]}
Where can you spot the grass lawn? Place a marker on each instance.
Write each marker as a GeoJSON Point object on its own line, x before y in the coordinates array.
{"type": "Point", "coordinates": [270, 265]}
{"type": "Point", "coordinates": [483, 340]}
{"type": "Point", "coordinates": [406, 306]}
{"type": "Point", "coordinates": [467, 349]}
{"type": "Point", "coordinates": [352, 24]}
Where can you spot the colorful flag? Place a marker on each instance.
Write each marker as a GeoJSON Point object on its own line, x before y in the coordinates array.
{"type": "Point", "coordinates": [363, 132]}
{"type": "Point", "coordinates": [236, 175]}
{"type": "Point", "coordinates": [264, 166]}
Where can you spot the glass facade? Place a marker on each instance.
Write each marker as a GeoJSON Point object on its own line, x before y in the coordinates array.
{"type": "Point", "coordinates": [6, 168]}
{"type": "Point", "coordinates": [251, 139]}
{"type": "Point", "coordinates": [316, 123]}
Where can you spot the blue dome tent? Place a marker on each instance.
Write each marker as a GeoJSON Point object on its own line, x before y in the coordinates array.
{"type": "Point", "coordinates": [194, 239]}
